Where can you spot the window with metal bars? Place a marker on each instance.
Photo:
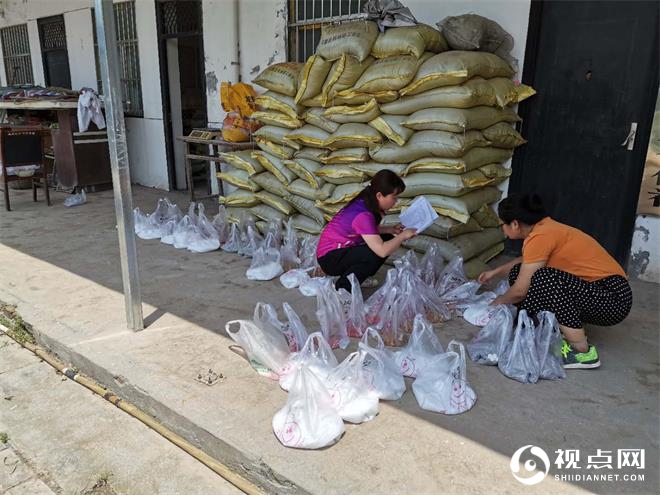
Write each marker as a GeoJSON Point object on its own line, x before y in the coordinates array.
{"type": "Point", "coordinates": [306, 18]}
{"type": "Point", "coordinates": [129, 57]}
{"type": "Point", "coordinates": [16, 54]}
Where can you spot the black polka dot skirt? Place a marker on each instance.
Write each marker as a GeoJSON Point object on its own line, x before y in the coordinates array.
{"type": "Point", "coordinates": [574, 301]}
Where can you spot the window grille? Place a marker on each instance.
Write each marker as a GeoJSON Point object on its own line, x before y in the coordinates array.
{"type": "Point", "coordinates": [16, 54]}
{"type": "Point", "coordinates": [306, 18]}
{"type": "Point", "coordinates": [129, 57]}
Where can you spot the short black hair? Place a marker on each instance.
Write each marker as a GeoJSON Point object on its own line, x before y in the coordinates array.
{"type": "Point", "coordinates": [527, 208]}
{"type": "Point", "coordinates": [385, 182]}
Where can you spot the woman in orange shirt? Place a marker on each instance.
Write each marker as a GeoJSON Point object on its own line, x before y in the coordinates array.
{"type": "Point", "coordinates": [562, 270]}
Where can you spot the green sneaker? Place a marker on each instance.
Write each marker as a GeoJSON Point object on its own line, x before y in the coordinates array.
{"type": "Point", "coordinates": [579, 360]}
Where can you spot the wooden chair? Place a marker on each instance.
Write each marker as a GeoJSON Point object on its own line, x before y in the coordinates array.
{"type": "Point", "coordinates": [20, 147]}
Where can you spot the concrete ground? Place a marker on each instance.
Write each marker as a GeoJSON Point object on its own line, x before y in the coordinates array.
{"type": "Point", "coordinates": [65, 440]}
{"type": "Point", "coordinates": [60, 266]}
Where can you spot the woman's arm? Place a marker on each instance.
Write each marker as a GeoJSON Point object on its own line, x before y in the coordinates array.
{"type": "Point", "coordinates": [393, 229]}
{"type": "Point", "coordinates": [499, 272]}
{"type": "Point", "coordinates": [519, 289]}
{"type": "Point", "coordinates": [385, 248]}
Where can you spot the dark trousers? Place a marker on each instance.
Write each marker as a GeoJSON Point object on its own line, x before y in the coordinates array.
{"type": "Point", "coordinates": [359, 260]}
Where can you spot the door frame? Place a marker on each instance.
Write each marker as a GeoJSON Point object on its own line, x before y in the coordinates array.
{"type": "Point", "coordinates": [44, 51]}
{"type": "Point", "coordinates": [642, 137]}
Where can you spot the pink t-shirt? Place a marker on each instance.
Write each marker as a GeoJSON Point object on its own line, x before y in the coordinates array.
{"type": "Point", "coordinates": [346, 228]}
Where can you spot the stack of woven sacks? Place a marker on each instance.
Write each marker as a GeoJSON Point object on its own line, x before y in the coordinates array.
{"type": "Point", "coordinates": [398, 100]}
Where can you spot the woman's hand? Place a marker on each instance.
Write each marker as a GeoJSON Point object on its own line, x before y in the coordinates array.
{"type": "Point", "coordinates": [487, 276]}
{"type": "Point", "coordinates": [408, 234]}
{"type": "Point", "coordinates": [393, 230]}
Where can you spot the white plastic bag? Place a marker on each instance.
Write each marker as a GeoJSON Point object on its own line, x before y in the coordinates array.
{"type": "Point", "coordinates": [422, 346]}
{"type": "Point", "coordinates": [295, 278]}
{"type": "Point", "coordinates": [221, 225]}
{"type": "Point", "coordinates": [289, 250]}
{"type": "Point", "coordinates": [309, 420]}
{"type": "Point", "coordinates": [349, 386]}
{"type": "Point", "coordinates": [315, 355]}
{"type": "Point", "coordinates": [296, 333]}
{"type": "Point", "coordinates": [492, 340]}
{"type": "Point", "coordinates": [203, 236]}
{"type": "Point", "coordinates": [443, 387]}
{"type": "Point", "coordinates": [312, 286]}
{"type": "Point", "coordinates": [181, 232]}
{"type": "Point", "coordinates": [548, 347]}
{"type": "Point", "coordinates": [167, 231]}
{"type": "Point", "coordinates": [233, 240]}
{"type": "Point", "coordinates": [356, 320]}
{"type": "Point", "coordinates": [76, 199]}
{"type": "Point", "coordinates": [331, 317]}
{"type": "Point", "coordinates": [462, 296]}
{"type": "Point", "coordinates": [386, 377]}
{"type": "Point", "coordinates": [265, 346]}
{"type": "Point", "coordinates": [251, 240]}
{"type": "Point", "coordinates": [519, 360]}
{"type": "Point", "coordinates": [452, 276]}
{"type": "Point", "coordinates": [265, 264]}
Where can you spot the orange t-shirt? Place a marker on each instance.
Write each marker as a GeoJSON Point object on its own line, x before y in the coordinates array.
{"type": "Point", "coordinates": [570, 250]}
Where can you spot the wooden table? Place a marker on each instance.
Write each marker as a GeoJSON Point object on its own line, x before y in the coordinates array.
{"type": "Point", "coordinates": [217, 146]}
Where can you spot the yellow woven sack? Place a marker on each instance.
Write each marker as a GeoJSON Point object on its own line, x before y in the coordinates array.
{"type": "Point", "coordinates": [502, 135]}
{"type": "Point", "coordinates": [351, 38]}
{"type": "Point", "coordinates": [279, 103]}
{"type": "Point", "coordinates": [459, 119]}
{"type": "Point", "coordinates": [242, 160]}
{"type": "Point", "coordinates": [343, 74]}
{"type": "Point", "coordinates": [312, 78]}
{"type": "Point", "coordinates": [353, 136]}
{"type": "Point", "coordinates": [390, 127]}
{"type": "Point", "coordinates": [346, 156]}
{"type": "Point", "coordinates": [274, 201]}
{"type": "Point", "coordinates": [474, 158]}
{"type": "Point", "coordinates": [306, 170]}
{"type": "Point", "coordinates": [281, 78]}
{"type": "Point", "coordinates": [386, 74]}
{"type": "Point", "coordinates": [275, 166]}
{"type": "Point", "coordinates": [340, 174]}
{"type": "Point", "coordinates": [239, 198]}
{"type": "Point", "coordinates": [347, 114]}
{"type": "Point", "coordinates": [277, 118]}
{"type": "Point", "coordinates": [239, 97]}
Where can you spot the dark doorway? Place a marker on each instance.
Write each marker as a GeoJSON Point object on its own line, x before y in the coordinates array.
{"type": "Point", "coordinates": [52, 37]}
{"type": "Point", "coordinates": [181, 53]}
{"type": "Point", "coordinates": [595, 68]}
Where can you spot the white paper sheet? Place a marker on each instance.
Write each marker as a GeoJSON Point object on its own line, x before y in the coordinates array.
{"type": "Point", "coordinates": [419, 215]}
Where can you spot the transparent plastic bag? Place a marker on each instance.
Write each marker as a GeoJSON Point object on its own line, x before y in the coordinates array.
{"type": "Point", "coordinates": [349, 386]}
{"type": "Point", "coordinates": [422, 346]}
{"type": "Point", "coordinates": [143, 229]}
{"type": "Point", "coordinates": [461, 297]}
{"type": "Point", "coordinates": [167, 231]}
{"type": "Point", "coordinates": [389, 319]}
{"type": "Point", "coordinates": [452, 276]}
{"type": "Point", "coordinates": [442, 386]}
{"type": "Point", "coordinates": [265, 264]}
{"type": "Point", "coordinates": [265, 346]}
{"type": "Point", "coordinates": [307, 255]}
{"type": "Point", "coordinates": [376, 301]}
{"type": "Point", "coordinates": [273, 235]}
{"type": "Point", "coordinates": [431, 265]}
{"type": "Point", "coordinates": [519, 360]}
{"type": "Point", "coordinates": [251, 240]}
{"type": "Point", "coordinates": [233, 240]}
{"type": "Point", "coordinates": [331, 317]}
{"type": "Point", "coordinates": [296, 333]}
{"type": "Point", "coordinates": [221, 225]}
{"type": "Point", "coordinates": [315, 355]}
{"type": "Point", "coordinates": [289, 251]}
{"type": "Point", "coordinates": [548, 347]}
{"type": "Point", "coordinates": [492, 340]}
{"type": "Point", "coordinates": [386, 377]}
{"type": "Point", "coordinates": [356, 316]}
{"type": "Point", "coordinates": [202, 237]}
{"type": "Point", "coordinates": [181, 232]}
{"type": "Point", "coordinates": [312, 286]}
{"type": "Point", "coordinates": [294, 278]}
{"type": "Point", "coordinates": [76, 199]}
{"type": "Point", "coordinates": [308, 420]}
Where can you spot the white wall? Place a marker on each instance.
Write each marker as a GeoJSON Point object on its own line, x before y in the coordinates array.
{"type": "Point", "coordinates": [80, 45]}
{"type": "Point", "coordinates": [146, 152]}
{"type": "Point", "coordinates": [644, 262]}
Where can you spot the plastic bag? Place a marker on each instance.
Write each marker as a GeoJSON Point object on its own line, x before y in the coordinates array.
{"type": "Point", "coordinates": [273, 235]}
{"type": "Point", "coordinates": [355, 318]}
{"type": "Point", "coordinates": [181, 231]}
{"type": "Point", "coordinates": [251, 240]}
{"type": "Point", "coordinates": [443, 387]}
{"type": "Point", "coordinates": [422, 346]}
{"type": "Point", "coordinates": [386, 377]}
{"type": "Point", "coordinates": [331, 317]}
{"type": "Point", "coordinates": [431, 265]}
{"type": "Point", "coordinates": [309, 420]}
{"type": "Point", "coordinates": [519, 360]}
{"type": "Point", "coordinates": [265, 265]}
{"type": "Point", "coordinates": [312, 286]}
{"type": "Point", "coordinates": [461, 297]}
{"type": "Point", "coordinates": [492, 340]}
{"type": "Point", "coordinates": [202, 237]}
{"type": "Point", "coordinates": [221, 225]}
{"type": "Point", "coordinates": [295, 333]}
{"type": "Point", "coordinates": [289, 251]}
{"type": "Point", "coordinates": [294, 278]}
{"type": "Point", "coordinates": [167, 231]}
{"type": "Point", "coordinates": [349, 385]}
{"type": "Point", "coordinates": [233, 240]}
{"type": "Point", "coordinates": [375, 303]}
{"type": "Point", "coordinates": [308, 255]}
{"type": "Point", "coordinates": [389, 319]}
{"type": "Point", "coordinates": [548, 347]}
{"type": "Point", "coordinates": [265, 346]}
{"type": "Point", "coordinates": [315, 355]}
{"type": "Point", "coordinates": [143, 228]}
{"type": "Point", "coordinates": [76, 199]}
{"type": "Point", "coordinates": [452, 276]}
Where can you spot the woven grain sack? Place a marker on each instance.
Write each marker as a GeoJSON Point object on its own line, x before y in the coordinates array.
{"type": "Point", "coordinates": [348, 114]}
{"type": "Point", "coordinates": [471, 245]}
{"type": "Point", "coordinates": [270, 183]}
{"type": "Point", "coordinates": [509, 93]}
{"type": "Point", "coordinates": [422, 243]}
{"type": "Point", "coordinates": [311, 153]}
{"type": "Point", "coordinates": [240, 215]}
{"type": "Point", "coordinates": [268, 213]}
{"type": "Point", "coordinates": [343, 74]}
{"type": "Point", "coordinates": [305, 224]}
{"type": "Point", "coordinates": [490, 253]}
{"type": "Point", "coordinates": [239, 197]}
{"type": "Point", "coordinates": [312, 77]}
{"type": "Point", "coordinates": [474, 158]}
{"type": "Point", "coordinates": [387, 74]}
{"type": "Point", "coordinates": [351, 38]}
{"type": "Point", "coordinates": [462, 207]}
{"type": "Point", "coordinates": [239, 178]}
{"type": "Point", "coordinates": [455, 67]}
{"type": "Point", "coordinates": [470, 94]}
{"type": "Point", "coordinates": [279, 150]}
{"type": "Point", "coordinates": [395, 41]}
{"type": "Point", "coordinates": [434, 39]}
{"type": "Point", "coordinates": [390, 127]}
{"type": "Point", "coordinates": [274, 134]}
{"type": "Point", "coordinates": [353, 136]}
{"type": "Point", "coordinates": [372, 168]}
{"type": "Point", "coordinates": [308, 135]}
{"type": "Point", "coordinates": [346, 156]}
{"type": "Point", "coordinates": [429, 143]}
{"type": "Point", "coordinates": [344, 193]}
{"type": "Point", "coordinates": [274, 201]}
{"type": "Point", "coordinates": [317, 101]}
{"type": "Point", "coordinates": [444, 184]}
{"type": "Point", "coordinates": [242, 160]}
{"type": "Point", "coordinates": [281, 78]}
{"type": "Point", "coordinates": [486, 216]}
{"type": "Point", "coordinates": [278, 102]}
{"type": "Point", "coordinates": [474, 267]}
{"type": "Point", "coordinates": [441, 228]}
{"type": "Point", "coordinates": [300, 187]}
{"type": "Point", "coordinates": [340, 174]}
{"type": "Point", "coordinates": [275, 166]}
{"type": "Point", "coordinates": [314, 116]}
{"type": "Point", "coordinates": [330, 210]}
{"type": "Point", "coordinates": [352, 97]}
{"type": "Point", "coordinates": [279, 119]}
{"type": "Point", "coordinates": [502, 135]}
{"type": "Point", "coordinates": [496, 171]}
{"type": "Point", "coordinates": [459, 119]}
{"type": "Point", "coordinates": [306, 207]}
{"type": "Point", "coordinates": [306, 170]}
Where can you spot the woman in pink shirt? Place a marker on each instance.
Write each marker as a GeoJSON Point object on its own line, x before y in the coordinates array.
{"type": "Point", "coordinates": [353, 241]}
